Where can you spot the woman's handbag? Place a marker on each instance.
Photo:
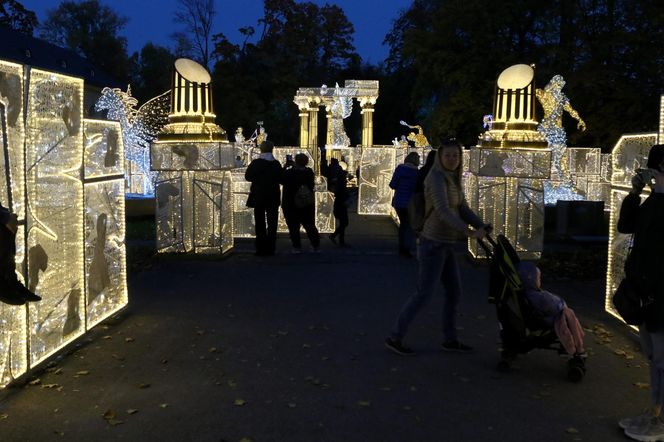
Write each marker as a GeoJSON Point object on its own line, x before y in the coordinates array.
{"type": "Point", "coordinates": [628, 303]}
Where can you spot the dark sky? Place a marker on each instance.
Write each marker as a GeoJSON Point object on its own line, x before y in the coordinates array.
{"type": "Point", "coordinates": [151, 20]}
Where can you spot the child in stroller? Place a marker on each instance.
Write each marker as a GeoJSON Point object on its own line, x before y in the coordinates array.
{"type": "Point", "coordinates": [529, 316]}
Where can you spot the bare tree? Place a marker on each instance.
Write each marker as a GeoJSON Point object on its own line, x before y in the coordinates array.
{"type": "Point", "coordinates": [196, 17]}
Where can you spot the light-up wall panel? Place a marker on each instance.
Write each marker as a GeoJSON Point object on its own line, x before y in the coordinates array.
{"type": "Point", "coordinates": [629, 154]}
{"type": "Point", "coordinates": [105, 252]}
{"type": "Point", "coordinates": [515, 207]}
{"type": "Point", "coordinates": [192, 156]}
{"type": "Point", "coordinates": [169, 212]}
{"type": "Point", "coordinates": [12, 137]}
{"type": "Point", "coordinates": [212, 202]}
{"type": "Point", "coordinates": [54, 211]}
{"type": "Point", "coordinates": [376, 169]}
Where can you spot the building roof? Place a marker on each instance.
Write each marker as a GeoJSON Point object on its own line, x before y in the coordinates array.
{"type": "Point", "coordinates": [25, 49]}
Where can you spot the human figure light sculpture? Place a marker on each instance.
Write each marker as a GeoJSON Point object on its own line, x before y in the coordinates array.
{"type": "Point", "coordinates": [507, 167]}
{"type": "Point", "coordinates": [555, 102]}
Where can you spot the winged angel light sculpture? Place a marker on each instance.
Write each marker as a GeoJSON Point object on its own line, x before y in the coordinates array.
{"type": "Point", "coordinates": [139, 126]}
{"type": "Point", "coordinates": [341, 108]}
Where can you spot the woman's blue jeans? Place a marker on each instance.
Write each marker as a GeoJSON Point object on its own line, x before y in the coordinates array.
{"type": "Point", "coordinates": [437, 262]}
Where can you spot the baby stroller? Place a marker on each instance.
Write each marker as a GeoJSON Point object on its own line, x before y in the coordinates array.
{"type": "Point", "coordinates": [521, 329]}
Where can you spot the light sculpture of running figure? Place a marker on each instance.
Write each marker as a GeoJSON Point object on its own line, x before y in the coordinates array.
{"type": "Point", "coordinates": [555, 102]}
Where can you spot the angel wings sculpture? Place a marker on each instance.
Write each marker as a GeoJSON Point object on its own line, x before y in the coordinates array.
{"type": "Point", "coordinates": [341, 108]}
{"type": "Point", "coordinates": [139, 126]}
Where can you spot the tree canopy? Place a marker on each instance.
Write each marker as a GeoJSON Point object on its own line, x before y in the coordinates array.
{"type": "Point", "coordinates": [299, 45]}
{"type": "Point", "coordinates": [91, 29]}
{"type": "Point", "coordinates": [13, 15]}
{"type": "Point", "coordinates": [609, 51]}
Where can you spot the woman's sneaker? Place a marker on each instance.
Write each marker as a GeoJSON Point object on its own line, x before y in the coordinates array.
{"type": "Point", "coordinates": [651, 431]}
{"type": "Point", "coordinates": [396, 346]}
{"type": "Point", "coordinates": [637, 421]}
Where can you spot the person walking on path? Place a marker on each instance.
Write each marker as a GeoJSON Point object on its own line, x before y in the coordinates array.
{"type": "Point", "coordinates": [298, 202]}
{"type": "Point", "coordinates": [403, 182]}
{"type": "Point", "coordinates": [339, 180]}
{"type": "Point", "coordinates": [264, 173]}
{"type": "Point", "coordinates": [447, 215]}
{"type": "Point", "coordinates": [644, 269]}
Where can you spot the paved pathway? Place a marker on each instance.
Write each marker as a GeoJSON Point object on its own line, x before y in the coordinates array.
{"type": "Point", "coordinates": [290, 348]}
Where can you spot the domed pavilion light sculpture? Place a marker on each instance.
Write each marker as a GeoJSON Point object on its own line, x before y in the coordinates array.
{"type": "Point", "coordinates": [508, 165]}
{"type": "Point", "coordinates": [193, 156]}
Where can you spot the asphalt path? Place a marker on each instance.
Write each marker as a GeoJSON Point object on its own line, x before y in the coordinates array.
{"type": "Point", "coordinates": [290, 348]}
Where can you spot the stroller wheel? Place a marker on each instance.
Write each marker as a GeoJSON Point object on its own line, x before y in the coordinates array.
{"type": "Point", "coordinates": [576, 369]}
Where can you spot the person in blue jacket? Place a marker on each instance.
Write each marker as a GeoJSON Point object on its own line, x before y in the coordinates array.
{"type": "Point", "coordinates": [403, 182]}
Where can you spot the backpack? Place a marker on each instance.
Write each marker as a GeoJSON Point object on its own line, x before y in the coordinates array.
{"type": "Point", "coordinates": [417, 214]}
{"type": "Point", "coordinates": [304, 197]}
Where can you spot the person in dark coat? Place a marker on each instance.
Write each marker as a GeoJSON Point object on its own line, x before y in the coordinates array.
{"type": "Point", "coordinates": [299, 207]}
{"type": "Point", "coordinates": [264, 173]}
{"type": "Point", "coordinates": [339, 180]}
{"type": "Point", "coordinates": [403, 182]}
{"type": "Point", "coordinates": [11, 290]}
{"type": "Point", "coordinates": [644, 269]}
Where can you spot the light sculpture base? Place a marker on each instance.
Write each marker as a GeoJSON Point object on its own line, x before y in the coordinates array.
{"type": "Point", "coordinates": [377, 164]}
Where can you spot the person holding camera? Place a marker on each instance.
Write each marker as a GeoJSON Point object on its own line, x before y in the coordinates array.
{"type": "Point", "coordinates": [447, 215]}
{"type": "Point", "coordinates": [11, 290]}
{"type": "Point", "coordinates": [644, 269]}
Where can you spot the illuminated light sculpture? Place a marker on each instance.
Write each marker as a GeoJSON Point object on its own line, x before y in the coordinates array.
{"type": "Point", "coordinates": [508, 166]}
{"type": "Point", "coordinates": [69, 197]}
{"type": "Point", "coordinates": [194, 204]}
{"type": "Point", "coordinates": [139, 128]}
{"type": "Point", "coordinates": [309, 100]}
{"type": "Point", "coordinates": [376, 167]}
{"type": "Point", "coordinates": [629, 154]}
{"type": "Point", "coordinates": [555, 102]}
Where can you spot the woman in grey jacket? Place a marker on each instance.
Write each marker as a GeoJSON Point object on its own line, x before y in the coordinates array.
{"type": "Point", "coordinates": [447, 216]}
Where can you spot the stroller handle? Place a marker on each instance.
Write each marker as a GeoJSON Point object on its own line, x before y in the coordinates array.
{"type": "Point", "coordinates": [488, 229]}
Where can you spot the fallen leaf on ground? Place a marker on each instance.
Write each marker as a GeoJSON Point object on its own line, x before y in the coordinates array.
{"type": "Point", "coordinates": [212, 349]}
{"type": "Point", "coordinates": [164, 405]}
{"type": "Point", "coordinates": [83, 372]}
{"type": "Point", "coordinates": [572, 430]}
{"type": "Point", "coordinates": [641, 384]}
{"type": "Point", "coordinates": [145, 385]}
{"type": "Point", "coordinates": [107, 337]}
{"type": "Point", "coordinates": [129, 339]}
{"type": "Point", "coordinates": [239, 402]}
{"type": "Point", "coordinates": [108, 414]}
{"type": "Point", "coordinates": [132, 411]}
{"type": "Point", "coordinates": [364, 403]}
{"type": "Point", "coordinates": [4, 416]}
{"type": "Point", "coordinates": [291, 405]}
{"type": "Point", "coordinates": [35, 382]}
{"type": "Point", "coordinates": [49, 386]}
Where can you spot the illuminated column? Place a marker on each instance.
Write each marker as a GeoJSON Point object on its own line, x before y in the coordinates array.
{"type": "Point", "coordinates": [329, 137]}
{"type": "Point", "coordinates": [367, 105]}
{"type": "Point", "coordinates": [312, 142]}
{"type": "Point", "coordinates": [304, 128]}
{"type": "Point", "coordinates": [660, 138]}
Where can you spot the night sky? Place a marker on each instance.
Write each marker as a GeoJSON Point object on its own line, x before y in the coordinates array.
{"type": "Point", "coordinates": [152, 20]}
